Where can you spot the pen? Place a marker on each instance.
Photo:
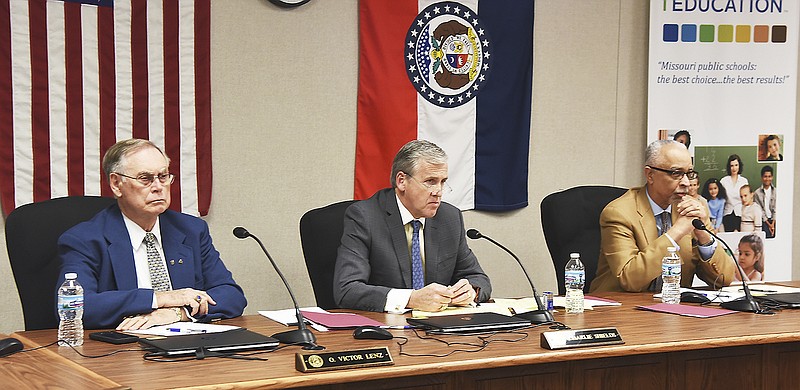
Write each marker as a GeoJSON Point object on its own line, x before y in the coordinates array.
{"type": "Point", "coordinates": [397, 327]}
{"type": "Point", "coordinates": [759, 290]}
{"type": "Point", "coordinates": [179, 330]}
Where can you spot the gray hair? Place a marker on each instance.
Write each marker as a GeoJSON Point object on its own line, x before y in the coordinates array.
{"type": "Point", "coordinates": [114, 159]}
{"type": "Point", "coordinates": [652, 155]}
{"type": "Point", "coordinates": [412, 154]}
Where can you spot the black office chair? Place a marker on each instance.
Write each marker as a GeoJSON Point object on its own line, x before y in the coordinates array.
{"type": "Point", "coordinates": [571, 223]}
{"type": "Point", "coordinates": [32, 233]}
{"type": "Point", "coordinates": [320, 235]}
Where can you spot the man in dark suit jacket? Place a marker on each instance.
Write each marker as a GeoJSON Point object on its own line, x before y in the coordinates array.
{"type": "Point", "coordinates": [111, 259]}
{"type": "Point", "coordinates": [374, 267]}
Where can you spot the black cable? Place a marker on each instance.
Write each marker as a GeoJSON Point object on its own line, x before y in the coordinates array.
{"type": "Point", "coordinates": [79, 352]}
{"type": "Point", "coordinates": [484, 337]}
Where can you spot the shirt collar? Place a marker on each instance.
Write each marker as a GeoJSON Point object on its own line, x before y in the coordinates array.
{"type": "Point", "coordinates": [137, 234]}
{"type": "Point", "coordinates": [655, 207]}
{"type": "Point", "coordinates": [405, 215]}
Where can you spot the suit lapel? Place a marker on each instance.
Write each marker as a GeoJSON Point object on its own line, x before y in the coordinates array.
{"type": "Point", "coordinates": [120, 251]}
{"type": "Point", "coordinates": [647, 222]}
{"type": "Point", "coordinates": [394, 224]}
{"type": "Point", "coordinates": [178, 256]}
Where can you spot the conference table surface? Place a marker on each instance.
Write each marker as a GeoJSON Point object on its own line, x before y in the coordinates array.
{"type": "Point", "coordinates": [644, 333]}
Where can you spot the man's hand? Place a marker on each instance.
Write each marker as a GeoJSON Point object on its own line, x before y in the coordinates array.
{"type": "Point", "coordinates": [433, 297]}
{"type": "Point", "coordinates": [463, 293]}
{"type": "Point", "coordinates": [161, 316]}
{"type": "Point", "coordinates": [196, 299]}
{"type": "Point", "coordinates": [687, 210]}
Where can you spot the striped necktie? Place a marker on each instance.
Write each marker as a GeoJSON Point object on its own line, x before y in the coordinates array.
{"type": "Point", "coordinates": [665, 222]}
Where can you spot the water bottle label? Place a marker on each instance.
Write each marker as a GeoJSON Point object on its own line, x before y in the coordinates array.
{"type": "Point", "coordinates": [671, 269]}
{"type": "Point", "coordinates": [573, 277]}
{"type": "Point", "coordinates": [70, 302]}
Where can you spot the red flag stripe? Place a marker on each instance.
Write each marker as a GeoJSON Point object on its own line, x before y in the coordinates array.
{"type": "Point", "coordinates": [139, 68]}
{"type": "Point", "coordinates": [40, 107]}
{"type": "Point", "coordinates": [396, 127]}
{"type": "Point", "coordinates": [74, 91]}
{"type": "Point", "coordinates": [202, 61]}
{"type": "Point", "coordinates": [108, 87]}
{"type": "Point", "coordinates": [172, 120]}
{"type": "Point", "coordinates": [6, 107]}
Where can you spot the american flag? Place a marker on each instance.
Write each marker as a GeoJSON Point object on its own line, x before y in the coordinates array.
{"type": "Point", "coordinates": [76, 76]}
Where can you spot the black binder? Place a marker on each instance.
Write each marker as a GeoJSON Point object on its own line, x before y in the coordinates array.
{"type": "Point", "coordinates": [231, 341]}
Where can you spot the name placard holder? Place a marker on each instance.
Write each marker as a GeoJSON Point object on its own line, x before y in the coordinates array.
{"type": "Point", "coordinates": [358, 358]}
{"type": "Point", "coordinates": [575, 338]}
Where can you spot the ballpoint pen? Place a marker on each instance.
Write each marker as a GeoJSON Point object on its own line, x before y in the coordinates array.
{"type": "Point", "coordinates": [179, 330]}
{"type": "Point", "coordinates": [397, 327]}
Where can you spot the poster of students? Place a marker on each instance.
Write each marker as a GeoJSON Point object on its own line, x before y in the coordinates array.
{"type": "Point", "coordinates": [725, 85]}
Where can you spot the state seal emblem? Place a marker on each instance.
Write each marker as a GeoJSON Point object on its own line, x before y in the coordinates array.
{"type": "Point", "coordinates": [447, 54]}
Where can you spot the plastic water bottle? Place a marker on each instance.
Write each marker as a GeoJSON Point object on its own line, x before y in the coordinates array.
{"type": "Point", "coordinates": [574, 277]}
{"type": "Point", "coordinates": [671, 277]}
{"type": "Point", "coordinates": [70, 311]}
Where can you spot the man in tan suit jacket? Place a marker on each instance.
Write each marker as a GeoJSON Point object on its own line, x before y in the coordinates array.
{"type": "Point", "coordinates": [632, 247]}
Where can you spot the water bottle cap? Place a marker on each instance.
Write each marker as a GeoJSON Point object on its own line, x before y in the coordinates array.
{"type": "Point", "coordinates": [574, 255]}
{"type": "Point", "coordinates": [70, 275]}
{"type": "Point", "coordinates": [671, 249]}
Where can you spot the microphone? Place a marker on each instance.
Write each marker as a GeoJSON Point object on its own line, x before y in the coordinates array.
{"type": "Point", "coordinates": [301, 335]}
{"type": "Point", "coordinates": [540, 316]}
{"type": "Point", "coordinates": [742, 304]}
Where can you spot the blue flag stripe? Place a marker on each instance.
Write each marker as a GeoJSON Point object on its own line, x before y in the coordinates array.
{"type": "Point", "coordinates": [504, 107]}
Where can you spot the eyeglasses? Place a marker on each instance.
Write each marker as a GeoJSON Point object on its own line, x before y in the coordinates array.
{"type": "Point", "coordinates": [442, 188]}
{"type": "Point", "coordinates": [147, 179]}
{"type": "Point", "coordinates": [677, 174]}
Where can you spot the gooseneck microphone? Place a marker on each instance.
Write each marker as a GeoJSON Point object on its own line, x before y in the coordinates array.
{"type": "Point", "coordinates": [747, 303]}
{"type": "Point", "coordinates": [540, 316]}
{"type": "Point", "coordinates": [301, 335]}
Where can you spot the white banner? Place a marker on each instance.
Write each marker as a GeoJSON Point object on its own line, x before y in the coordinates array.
{"type": "Point", "coordinates": [723, 73]}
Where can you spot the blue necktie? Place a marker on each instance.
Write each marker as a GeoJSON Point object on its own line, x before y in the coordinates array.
{"type": "Point", "coordinates": [417, 273]}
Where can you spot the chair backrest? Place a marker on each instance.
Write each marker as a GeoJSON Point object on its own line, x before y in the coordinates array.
{"type": "Point", "coordinates": [571, 223]}
{"type": "Point", "coordinates": [320, 235]}
{"type": "Point", "coordinates": [32, 233]}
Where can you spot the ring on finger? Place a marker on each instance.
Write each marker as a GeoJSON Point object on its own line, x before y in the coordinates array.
{"type": "Point", "coordinates": [198, 299]}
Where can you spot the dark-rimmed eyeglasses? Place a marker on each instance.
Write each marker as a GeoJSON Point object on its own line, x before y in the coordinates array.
{"type": "Point", "coordinates": [442, 188]}
{"type": "Point", "coordinates": [677, 174]}
{"type": "Point", "coordinates": [147, 179]}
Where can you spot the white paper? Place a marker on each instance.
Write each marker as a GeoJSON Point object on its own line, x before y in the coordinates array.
{"type": "Point", "coordinates": [182, 328]}
{"type": "Point", "coordinates": [288, 316]}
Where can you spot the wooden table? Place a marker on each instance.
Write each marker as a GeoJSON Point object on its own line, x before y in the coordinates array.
{"type": "Point", "coordinates": [661, 351]}
{"type": "Point", "coordinates": [44, 368]}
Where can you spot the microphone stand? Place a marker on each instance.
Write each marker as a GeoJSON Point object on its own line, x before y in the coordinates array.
{"type": "Point", "coordinates": [747, 303]}
{"type": "Point", "coordinates": [301, 335]}
{"type": "Point", "coordinates": [540, 316]}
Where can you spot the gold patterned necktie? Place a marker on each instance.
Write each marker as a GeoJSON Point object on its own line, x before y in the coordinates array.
{"type": "Point", "coordinates": [159, 279]}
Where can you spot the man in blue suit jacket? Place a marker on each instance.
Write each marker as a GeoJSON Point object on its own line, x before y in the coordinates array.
{"type": "Point", "coordinates": [110, 257]}
{"type": "Point", "coordinates": [374, 267]}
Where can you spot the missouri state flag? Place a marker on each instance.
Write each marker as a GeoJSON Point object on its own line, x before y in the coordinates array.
{"type": "Point", "coordinates": [456, 73]}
